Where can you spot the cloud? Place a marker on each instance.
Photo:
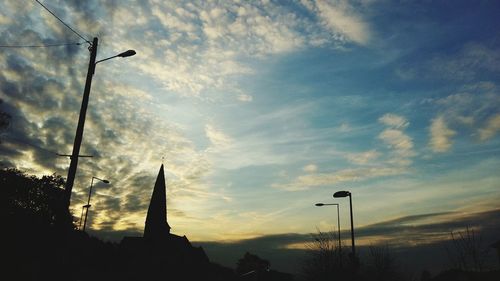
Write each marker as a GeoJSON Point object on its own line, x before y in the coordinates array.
{"type": "Point", "coordinates": [311, 168]}
{"type": "Point", "coordinates": [42, 91]}
{"type": "Point", "coordinates": [440, 135]}
{"type": "Point", "coordinates": [363, 158]}
{"type": "Point", "coordinates": [394, 121]}
{"type": "Point", "coordinates": [396, 162]}
{"type": "Point", "coordinates": [308, 181]}
{"type": "Point", "coordinates": [341, 19]}
{"type": "Point", "coordinates": [206, 44]}
{"type": "Point", "coordinates": [217, 138]}
{"type": "Point", "coordinates": [490, 129]}
{"type": "Point", "coordinates": [399, 142]}
{"type": "Point", "coordinates": [469, 63]}
{"type": "Point", "coordinates": [245, 98]}
{"type": "Point", "coordinates": [474, 109]}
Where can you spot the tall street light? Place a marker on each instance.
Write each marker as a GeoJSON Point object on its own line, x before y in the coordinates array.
{"type": "Point", "coordinates": [338, 227]}
{"type": "Point", "coordinates": [81, 217]}
{"type": "Point", "coordinates": [340, 194]}
{"type": "Point", "coordinates": [83, 111]}
{"type": "Point", "coordinates": [88, 201]}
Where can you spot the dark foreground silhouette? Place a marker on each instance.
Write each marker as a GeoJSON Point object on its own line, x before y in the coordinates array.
{"type": "Point", "coordinates": [39, 241]}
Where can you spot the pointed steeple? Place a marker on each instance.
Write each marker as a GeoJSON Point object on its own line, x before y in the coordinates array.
{"type": "Point", "coordinates": [156, 220]}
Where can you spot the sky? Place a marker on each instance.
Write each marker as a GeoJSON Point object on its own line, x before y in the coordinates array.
{"type": "Point", "coordinates": [259, 110]}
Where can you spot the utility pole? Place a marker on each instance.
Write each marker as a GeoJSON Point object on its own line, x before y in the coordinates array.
{"type": "Point", "coordinates": [352, 230]}
{"type": "Point", "coordinates": [81, 123]}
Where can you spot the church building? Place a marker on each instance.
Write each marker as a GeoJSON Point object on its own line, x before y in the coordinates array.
{"type": "Point", "coordinates": [158, 253]}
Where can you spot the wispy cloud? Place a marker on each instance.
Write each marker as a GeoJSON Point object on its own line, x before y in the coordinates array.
{"type": "Point", "coordinates": [311, 168]}
{"type": "Point", "coordinates": [363, 157]}
{"type": "Point", "coordinates": [440, 135]}
{"type": "Point", "coordinates": [218, 139]}
{"type": "Point", "coordinates": [394, 121]}
{"type": "Point", "coordinates": [466, 64]}
{"type": "Point", "coordinates": [475, 109]}
{"type": "Point", "coordinates": [341, 19]}
{"type": "Point", "coordinates": [245, 98]}
{"type": "Point", "coordinates": [491, 128]}
{"type": "Point", "coordinates": [395, 162]}
{"type": "Point", "coordinates": [308, 181]}
{"type": "Point", "coordinates": [400, 144]}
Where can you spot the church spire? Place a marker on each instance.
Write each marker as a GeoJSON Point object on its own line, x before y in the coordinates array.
{"type": "Point", "coordinates": [156, 219]}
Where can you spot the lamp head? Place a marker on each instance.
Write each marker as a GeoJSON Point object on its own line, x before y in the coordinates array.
{"type": "Point", "coordinates": [319, 204]}
{"type": "Point", "coordinates": [339, 194]}
{"type": "Point", "coordinates": [105, 181]}
{"type": "Point", "coordinates": [125, 54]}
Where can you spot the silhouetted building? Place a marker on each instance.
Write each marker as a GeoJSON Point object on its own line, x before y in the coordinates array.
{"type": "Point", "coordinates": [160, 254]}
{"type": "Point", "coordinates": [156, 220]}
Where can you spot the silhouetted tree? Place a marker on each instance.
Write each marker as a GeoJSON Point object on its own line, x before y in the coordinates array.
{"type": "Point", "coordinates": [250, 262]}
{"type": "Point", "coordinates": [326, 261]}
{"type": "Point", "coordinates": [252, 267]}
{"type": "Point", "coordinates": [37, 227]}
{"type": "Point", "coordinates": [382, 265]}
{"type": "Point", "coordinates": [466, 250]}
{"type": "Point", "coordinates": [29, 201]}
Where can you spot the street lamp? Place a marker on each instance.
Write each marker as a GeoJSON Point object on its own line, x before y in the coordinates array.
{"type": "Point", "coordinates": [88, 201]}
{"type": "Point", "coordinates": [81, 119]}
{"type": "Point", "coordinates": [81, 217]}
{"type": "Point", "coordinates": [338, 226]}
{"type": "Point", "coordinates": [340, 194]}
{"type": "Point", "coordinates": [125, 54]}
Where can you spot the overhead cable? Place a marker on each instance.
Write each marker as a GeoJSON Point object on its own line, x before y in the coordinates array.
{"type": "Point", "coordinates": [41, 46]}
{"type": "Point", "coordinates": [74, 31]}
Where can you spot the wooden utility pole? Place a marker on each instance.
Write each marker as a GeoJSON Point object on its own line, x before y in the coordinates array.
{"type": "Point", "coordinates": [81, 123]}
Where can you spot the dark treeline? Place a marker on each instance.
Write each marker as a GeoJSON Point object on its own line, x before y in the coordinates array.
{"type": "Point", "coordinates": [40, 240]}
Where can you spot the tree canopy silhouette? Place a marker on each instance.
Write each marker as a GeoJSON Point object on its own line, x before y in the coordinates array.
{"type": "Point", "coordinates": [250, 262]}
{"type": "Point", "coordinates": [29, 201]}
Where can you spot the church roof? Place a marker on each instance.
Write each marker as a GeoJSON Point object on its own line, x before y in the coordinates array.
{"type": "Point", "coordinates": [156, 219]}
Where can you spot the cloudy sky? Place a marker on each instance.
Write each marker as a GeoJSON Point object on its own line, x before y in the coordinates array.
{"type": "Point", "coordinates": [259, 109]}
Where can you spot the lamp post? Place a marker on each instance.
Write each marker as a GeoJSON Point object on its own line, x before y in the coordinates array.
{"type": "Point", "coordinates": [88, 201]}
{"type": "Point", "coordinates": [338, 227]}
{"type": "Point", "coordinates": [340, 194]}
{"type": "Point", "coordinates": [81, 119]}
{"type": "Point", "coordinates": [81, 218]}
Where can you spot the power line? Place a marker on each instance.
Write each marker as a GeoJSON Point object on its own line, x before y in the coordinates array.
{"type": "Point", "coordinates": [63, 22]}
{"type": "Point", "coordinates": [41, 46]}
